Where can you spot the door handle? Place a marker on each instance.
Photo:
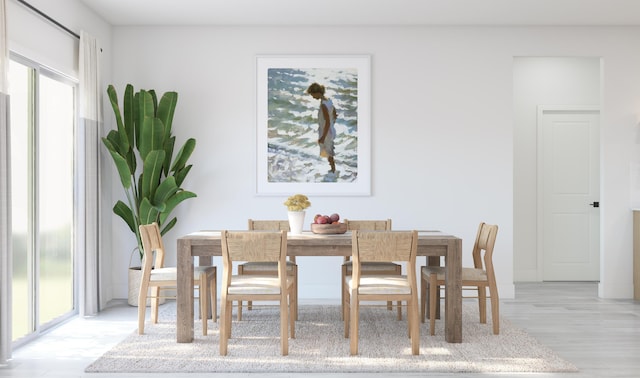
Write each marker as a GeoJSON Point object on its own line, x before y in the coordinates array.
{"type": "Point", "coordinates": [595, 204]}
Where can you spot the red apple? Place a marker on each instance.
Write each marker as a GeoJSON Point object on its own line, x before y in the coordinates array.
{"type": "Point", "coordinates": [315, 218]}
{"type": "Point", "coordinates": [334, 217]}
{"type": "Point", "coordinates": [322, 219]}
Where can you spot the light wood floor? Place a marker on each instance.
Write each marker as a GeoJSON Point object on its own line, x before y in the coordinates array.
{"type": "Point", "coordinates": [600, 336]}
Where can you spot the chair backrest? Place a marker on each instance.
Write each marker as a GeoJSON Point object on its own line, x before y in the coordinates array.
{"type": "Point", "coordinates": [269, 225]}
{"type": "Point", "coordinates": [385, 246]}
{"type": "Point", "coordinates": [485, 241]}
{"type": "Point", "coordinates": [253, 246]}
{"type": "Point", "coordinates": [151, 243]}
{"type": "Point", "coordinates": [369, 225]}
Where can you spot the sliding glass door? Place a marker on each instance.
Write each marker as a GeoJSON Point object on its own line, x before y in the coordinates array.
{"type": "Point", "coordinates": [42, 183]}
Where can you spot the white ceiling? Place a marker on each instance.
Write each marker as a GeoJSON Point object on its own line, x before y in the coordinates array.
{"type": "Point", "coordinates": [368, 12]}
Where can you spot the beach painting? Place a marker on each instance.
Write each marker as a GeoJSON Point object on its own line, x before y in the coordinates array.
{"type": "Point", "coordinates": [289, 158]}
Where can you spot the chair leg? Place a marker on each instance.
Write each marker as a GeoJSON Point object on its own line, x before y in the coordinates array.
{"type": "Point", "coordinates": [292, 307]}
{"type": "Point", "coordinates": [423, 298]}
{"type": "Point", "coordinates": [353, 326]}
{"type": "Point", "coordinates": [203, 299]}
{"type": "Point", "coordinates": [495, 309]}
{"type": "Point", "coordinates": [155, 301]}
{"type": "Point", "coordinates": [344, 288]}
{"type": "Point", "coordinates": [482, 304]}
{"type": "Point", "coordinates": [399, 304]}
{"type": "Point", "coordinates": [240, 310]}
{"type": "Point", "coordinates": [295, 293]}
{"type": "Point", "coordinates": [214, 297]}
{"type": "Point", "coordinates": [142, 306]}
{"type": "Point", "coordinates": [284, 325]}
{"type": "Point", "coordinates": [414, 325]}
{"type": "Point", "coordinates": [433, 295]}
{"type": "Point", "coordinates": [225, 312]}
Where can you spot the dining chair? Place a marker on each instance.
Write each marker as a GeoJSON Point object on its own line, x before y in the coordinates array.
{"type": "Point", "coordinates": [382, 246]}
{"type": "Point", "coordinates": [263, 267]}
{"type": "Point", "coordinates": [480, 277]}
{"type": "Point", "coordinates": [270, 246]}
{"type": "Point", "coordinates": [157, 278]}
{"type": "Point", "coordinates": [378, 267]}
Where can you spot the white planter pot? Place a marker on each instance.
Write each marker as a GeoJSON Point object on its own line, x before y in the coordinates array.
{"type": "Point", "coordinates": [135, 277]}
{"type": "Point", "coordinates": [296, 221]}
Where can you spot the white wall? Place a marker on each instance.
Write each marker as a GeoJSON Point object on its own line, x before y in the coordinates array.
{"type": "Point", "coordinates": [541, 81]}
{"type": "Point", "coordinates": [442, 129]}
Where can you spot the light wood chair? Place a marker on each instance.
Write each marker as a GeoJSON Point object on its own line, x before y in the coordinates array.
{"type": "Point", "coordinates": [262, 267]}
{"type": "Point", "coordinates": [382, 246]}
{"type": "Point", "coordinates": [156, 278]}
{"type": "Point", "coordinates": [268, 246]}
{"type": "Point", "coordinates": [480, 277]}
{"type": "Point", "coordinates": [369, 268]}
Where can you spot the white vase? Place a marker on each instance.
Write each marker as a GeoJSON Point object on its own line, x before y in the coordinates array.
{"type": "Point", "coordinates": [296, 221]}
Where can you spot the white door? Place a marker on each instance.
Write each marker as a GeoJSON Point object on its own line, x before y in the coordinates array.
{"type": "Point", "coordinates": [568, 198]}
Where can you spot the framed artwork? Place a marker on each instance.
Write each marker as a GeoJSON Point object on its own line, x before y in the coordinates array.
{"type": "Point", "coordinates": [303, 145]}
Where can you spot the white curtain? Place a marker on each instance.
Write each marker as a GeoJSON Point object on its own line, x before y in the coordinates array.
{"type": "Point", "coordinates": [5, 195]}
{"type": "Point", "coordinates": [88, 171]}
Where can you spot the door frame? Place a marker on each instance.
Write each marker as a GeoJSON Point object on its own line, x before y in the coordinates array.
{"type": "Point", "coordinates": [539, 187]}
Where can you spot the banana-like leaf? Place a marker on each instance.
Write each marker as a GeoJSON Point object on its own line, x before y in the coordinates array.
{"type": "Point", "coordinates": [147, 105]}
{"type": "Point", "coordinates": [173, 201]}
{"type": "Point", "coordinates": [151, 170]}
{"type": "Point", "coordinates": [114, 139]}
{"type": "Point", "coordinates": [184, 154]}
{"type": "Point", "coordinates": [148, 213]}
{"type": "Point", "coordinates": [152, 136]}
{"type": "Point", "coordinates": [182, 174]}
{"type": "Point", "coordinates": [154, 101]}
{"type": "Point", "coordinates": [166, 109]}
{"type": "Point", "coordinates": [168, 226]}
{"type": "Point", "coordinates": [121, 165]}
{"type": "Point", "coordinates": [128, 115]}
{"type": "Point", "coordinates": [124, 211]}
{"type": "Point", "coordinates": [122, 133]}
{"type": "Point", "coordinates": [137, 119]}
{"type": "Point", "coordinates": [165, 190]}
{"type": "Point", "coordinates": [169, 143]}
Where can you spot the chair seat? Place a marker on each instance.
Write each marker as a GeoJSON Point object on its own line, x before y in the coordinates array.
{"type": "Point", "coordinates": [266, 266]}
{"type": "Point", "coordinates": [382, 285]}
{"type": "Point", "coordinates": [171, 273]}
{"type": "Point", "coordinates": [253, 284]}
{"type": "Point", "coordinates": [468, 274]}
{"type": "Point", "coordinates": [371, 266]}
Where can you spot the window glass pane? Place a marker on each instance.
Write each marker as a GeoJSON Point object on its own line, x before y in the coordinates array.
{"type": "Point", "coordinates": [20, 79]}
{"type": "Point", "coordinates": [55, 198]}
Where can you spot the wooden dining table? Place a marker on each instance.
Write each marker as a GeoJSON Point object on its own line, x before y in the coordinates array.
{"type": "Point", "coordinates": [433, 244]}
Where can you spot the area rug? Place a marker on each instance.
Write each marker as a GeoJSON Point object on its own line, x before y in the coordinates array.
{"type": "Point", "coordinates": [320, 347]}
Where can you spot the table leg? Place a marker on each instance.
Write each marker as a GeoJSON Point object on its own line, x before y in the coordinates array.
{"type": "Point", "coordinates": [453, 292]}
{"type": "Point", "coordinates": [184, 293]}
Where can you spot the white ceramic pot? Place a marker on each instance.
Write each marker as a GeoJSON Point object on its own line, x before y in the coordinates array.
{"type": "Point", "coordinates": [296, 221]}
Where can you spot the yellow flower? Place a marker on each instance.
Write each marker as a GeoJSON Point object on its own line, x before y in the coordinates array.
{"type": "Point", "coordinates": [297, 202]}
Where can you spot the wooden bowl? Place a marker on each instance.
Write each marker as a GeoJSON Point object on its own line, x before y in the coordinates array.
{"type": "Point", "coordinates": [338, 228]}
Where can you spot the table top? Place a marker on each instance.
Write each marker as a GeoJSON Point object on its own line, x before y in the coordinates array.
{"type": "Point", "coordinates": [310, 244]}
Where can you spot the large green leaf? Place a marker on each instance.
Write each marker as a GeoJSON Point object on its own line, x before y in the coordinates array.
{"type": "Point", "coordinates": [124, 211]}
{"type": "Point", "coordinates": [184, 154]}
{"type": "Point", "coordinates": [169, 143]}
{"type": "Point", "coordinates": [128, 115]}
{"type": "Point", "coordinates": [122, 133]}
{"type": "Point", "coordinates": [173, 201]}
{"type": "Point", "coordinates": [166, 109]}
{"type": "Point", "coordinates": [148, 213]}
{"type": "Point", "coordinates": [152, 137]}
{"type": "Point", "coordinates": [165, 190]}
{"type": "Point", "coordinates": [168, 226]}
{"type": "Point", "coordinates": [120, 163]}
{"type": "Point", "coordinates": [151, 170]}
{"type": "Point", "coordinates": [147, 106]}
{"type": "Point", "coordinates": [182, 174]}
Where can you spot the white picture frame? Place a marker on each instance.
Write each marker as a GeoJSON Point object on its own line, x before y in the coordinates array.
{"type": "Point", "coordinates": [288, 157]}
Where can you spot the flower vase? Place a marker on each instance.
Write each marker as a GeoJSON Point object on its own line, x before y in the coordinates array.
{"type": "Point", "coordinates": [296, 220]}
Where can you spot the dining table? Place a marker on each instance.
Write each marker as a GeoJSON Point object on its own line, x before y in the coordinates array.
{"type": "Point", "coordinates": [207, 244]}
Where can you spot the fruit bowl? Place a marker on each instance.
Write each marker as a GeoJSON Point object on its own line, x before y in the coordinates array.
{"type": "Point", "coordinates": [329, 228]}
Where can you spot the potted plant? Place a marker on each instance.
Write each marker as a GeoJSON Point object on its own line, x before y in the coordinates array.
{"type": "Point", "coordinates": [296, 204]}
{"type": "Point", "coordinates": [142, 148]}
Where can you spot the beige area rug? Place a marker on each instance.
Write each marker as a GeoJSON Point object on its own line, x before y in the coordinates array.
{"type": "Point", "coordinates": [320, 346]}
